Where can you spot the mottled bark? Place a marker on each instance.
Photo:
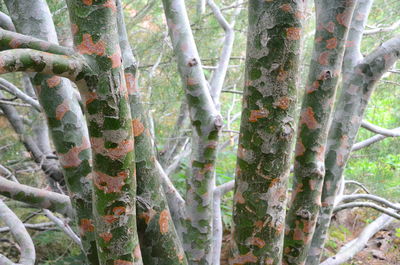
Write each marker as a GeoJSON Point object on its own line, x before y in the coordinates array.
{"type": "Point", "coordinates": [64, 115]}
{"type": "Point", "coordinates": [159, 240]}
{"type": "Point", "coordinates": [104, 92]}
{"type": "Point", "coordinates": [36, 197]}
{"type": "Point", "coordinates": [267, 131]}
{"type": "Point", "coordinates": [359, 79]}
{"type": "Point", "coordinates": [206, 122]}
{"type": "Point", "coordinates": [332, 19]}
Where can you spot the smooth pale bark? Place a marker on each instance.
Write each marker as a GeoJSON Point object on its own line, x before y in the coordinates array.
{"type": "Point", "coordinates": [267, 131]}
{"type": "Point", "coordinates": [64, 115]}
{"type": "Point", "coordinates": [159, 241]}
{"type": "Point", "coordinates": [332, 18]}
{"type": "Point", "coordinates": [18, 230]}
{"type": "Point", "coordinates": [206, 122]}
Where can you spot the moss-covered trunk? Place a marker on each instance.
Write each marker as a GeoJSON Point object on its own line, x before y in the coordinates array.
{"type": "Point", "coordinates": [267, 131]}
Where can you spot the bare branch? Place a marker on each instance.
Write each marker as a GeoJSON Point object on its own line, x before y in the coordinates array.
{"type": "Point", "coordinates": [18, 230]}
{"type": "Point", "coordinates": [358, 184]}
{"type": "Point", "coordinates": [366, 204]}
{"type": "Point", "coordinates": [372, 140]}
{"type": "Point", "coordinates": [379, 130]}
{"type": "Point", "coordinates": [35, 197]}
{"type": "Point", "coordinates": [392, 27]}
{"type": "Point", "coordinates": [9, 87]}
{"type": "Point", "coordinates": [39, 227]}
{"type": "Point", "coordinates": [353, 197]}
{"type": "Point", "coordinates": [6, 23]}
{"type": "Point", "coordinates": [28, 60]}
{"type": "Point", "coordinates": [355, 246]}
{"type": "Point", "coordinates": [12, 40]}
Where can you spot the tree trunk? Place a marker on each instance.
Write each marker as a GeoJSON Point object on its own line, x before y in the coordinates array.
{"type": "Point", "coordinates": [267, 131]}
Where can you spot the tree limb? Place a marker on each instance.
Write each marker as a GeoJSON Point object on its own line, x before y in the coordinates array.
{"type": "Point", "coordinates": [366, 204]}
{"type": "Point", "coordinates": [18, 230]}
{"type": "Point", "coordinates": [12, 89]}
{"type": "Point", "coordinates": [35, 197]}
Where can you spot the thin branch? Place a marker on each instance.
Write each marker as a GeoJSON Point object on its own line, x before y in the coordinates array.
{"type": "Point", "coordinates": [18, 230]}
{"type": "Point", "coordinates": [353, 197]}
{"type": "Point", "coordinates": [379, 130]}
{"type": "Point", "coordinates": [366, 204]}
{"type": "Point", "coordinates": [358, 184]}
{"type": "Point", "coordinates": [392, 27]}
{"type": "Point", "coordinates": [372, 140]}
{"type": "Point", "coordinates": [9, 87]}
{"type": "Point", "coordinates": [38, 227]}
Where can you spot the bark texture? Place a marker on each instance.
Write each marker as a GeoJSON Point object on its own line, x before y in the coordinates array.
{"type": "Point", "coordinates": [206, 122]}
{"type": "Point", "coordinates": [333, 19]}
{"type": "Point", "coordinates": [267, 131]}
{"type": "Point", "coordinates": [104, 92]}
{"type": "Point", "coordinates": [64, 115]}
{"type": "Point", "coordinates": [159, 240]}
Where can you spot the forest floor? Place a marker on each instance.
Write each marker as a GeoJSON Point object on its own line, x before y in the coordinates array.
{"type": "Point", "coordinates": [382, 249]}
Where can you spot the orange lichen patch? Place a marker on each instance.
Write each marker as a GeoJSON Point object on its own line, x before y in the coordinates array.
{"type": "Point", "coordinates": [71, 158]}
{"type": "Point", "coordinates": [121, 150]}
{"type": "Point", "coordinates": [342, 150]}
{"type": "Point", "coordinates": [299, 188]}
{"type": "Point", "coordinates": [318, 39]}
{"type": "Point", "coordinates": [299, 15]}
{"type": "Point", "coordinates": [62, 109]}
{"type": "Point", "coordinates": [258, 114]}
{"type": "Point", "coordinates": [181, 256]}
{"type": "Point", "coordinates": [111, 4]}
{"type": "Point", "coordinates": [238, 197]}
{"type": "Point", "coordinates": [87, 46]}
{"type": "Point", "coordinates": [308, 226]}
{"type": "Point", "coordinates": [137, 127]}
{"type": "Point", "coordinates": [86, 226]}
{"type": "Point", "coordinates": [314, 86]}
{"type": "Point", "coordinates": [147, 216]}
{"type": "Point", "coordinates": [331, 43]}
{"type": "Point", "coordinates": [53, 81]}
{"type": "Point", "coordinates": [282, 75]}
{"type": "Point", "coordinates": [110, 219]}
{"type": "Point", "coordinates": [312, 183]}
{"type": "Point", "coordinates": [74, 29]}
{"type": "Point", "coordinates": [269, 261]}
{"type": "Point", "coordinates": [122, 262]}
{"type": "Point", "coordinates": [163, 221]}
{"type": "Point", "coordinates": [89, 97]}
{"type": "Point", "coordinates": [320, 150]}
{"type": "Point", "coordinates": [191, 81]}
{"type": "Point", "coordinates": [308, 118]}
{"type": "Point", "coordinates": [110, 184]}
{"type": "Point", "coordinates": [286, 8]}
{"type": "Point", "coordinates": [256, 241]}
{"type": "Point", "coordinates": [283, 103]}
{"type": "Point", "coordinates": [298, 233]}
{"type": "Point", "coordinates": [323, 58]}
{"type": "Point", "coordinates": [243, 259]}
{"type": "Point", "coordinates": [353, 89]}
{"type": "Point", "coordinates": [119, 210]}
{"type": "Point", "coordinates": [116, 59]}
{"type": "Point", "coordinates": [130, 83]}
{"type": "Point", "coordinates": [344, 18]}
{"type": "Point", "coordinates": [14, 43]}
{"type": "Point", "coordinates": [330, 27]}
{"type": "Point", "coordinates": [106, 236]}
{"type": "Point", "coordinates": [293, 33]}
{"type": "Point", "coordinates": [137, 253]}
